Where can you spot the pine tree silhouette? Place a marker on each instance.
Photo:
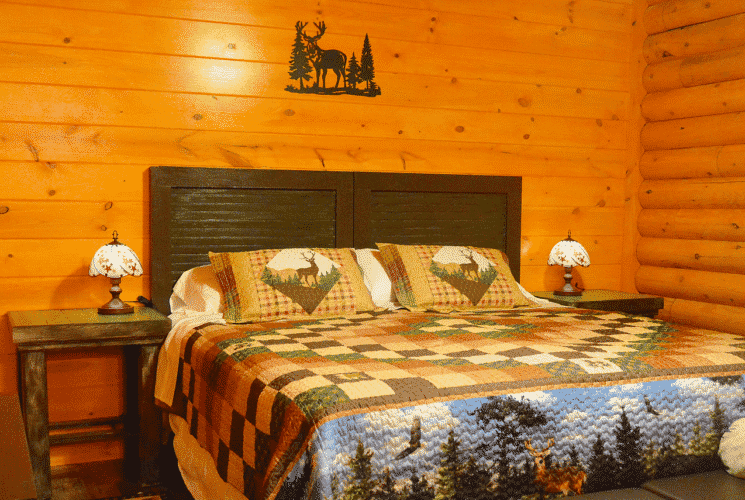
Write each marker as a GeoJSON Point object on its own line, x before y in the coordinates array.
{"type": "Point", "coordinates": [511, 419]}
{"type": "Point", "coordinates": [353, 72]}
{"type": "Point", "coordinates": [367, 67]}
{"type": "Point", "coordinates": [448, 475]}
{"type": "Point", "coordinates": [474, 481]}
{"type": "Point", "coordinates": [361, 483]}
{"type": "Point", "coordinates": [602, 469]}
{"type": "Point", "coordinates": [386, 490]}
{"type": "Point", "coordinates": [420, 489]}
{"type": "Point", "coordinates": [299, 63]}
{"type": "Point", "coordinates": [629, 453]}
{"type": "Point", "coordinates": [719, 424]}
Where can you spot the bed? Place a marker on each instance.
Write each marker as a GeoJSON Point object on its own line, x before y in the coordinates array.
{"type": "Point", "coordinates": [520, 399]}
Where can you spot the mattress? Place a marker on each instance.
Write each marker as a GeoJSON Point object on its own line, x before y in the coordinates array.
{"type": "Point", "coordinates": [515, 403]}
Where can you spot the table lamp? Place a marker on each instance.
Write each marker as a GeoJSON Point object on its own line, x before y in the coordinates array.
{"type": "Point", "coordinates": [115, 260]}
{"type": "Point", "coordinates": [568, 253]}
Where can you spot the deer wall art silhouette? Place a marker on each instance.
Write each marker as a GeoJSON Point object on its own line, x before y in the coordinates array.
{"type": "Point", "coordinates": [306, 53]}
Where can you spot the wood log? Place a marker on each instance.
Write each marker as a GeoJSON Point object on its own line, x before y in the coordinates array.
{"type": "Point", "coordinates": [696, 70]}
{"type": "Point", "coordinates": [717, 161]}
{"type": "Point", "coordinates": [685, 102]}
{"type": "Point", "coordinates": [677, 13]}
{"type": "Point", "coordinates": [699, 131]}
{"type": "Point", "coordinates": [693, 193]}
{"type": "Point", "coordinates": [704, 315]}
{"type": "Point", "coordinates": [703, 38]}
{"type": "Point", "coordinates": [701, 255]}
{"type": "Point", "coordinates": [701, 286]}
{"type": "Point", "coordinates": [693, 224]}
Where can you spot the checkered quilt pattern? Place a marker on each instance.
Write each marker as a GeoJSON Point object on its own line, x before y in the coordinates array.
{"type": "Point", "coordinates": [254, 395]}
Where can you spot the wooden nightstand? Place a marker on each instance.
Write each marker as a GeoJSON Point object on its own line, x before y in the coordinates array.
{"type": "Point", "coordinates": [140, 334]}
{"type": "Point", "coordinates": [609, 300]}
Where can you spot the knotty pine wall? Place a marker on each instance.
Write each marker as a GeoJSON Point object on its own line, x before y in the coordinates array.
{"type": "Point", "coordinates": [92, 93]}
{"type": "Point", "coordinates": [692, 224]}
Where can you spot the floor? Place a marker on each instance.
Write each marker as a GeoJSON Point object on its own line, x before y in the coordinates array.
{"type": "Point", "coordinates": [99, 480]}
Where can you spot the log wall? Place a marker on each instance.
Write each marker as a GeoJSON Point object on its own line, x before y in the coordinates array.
{"type": "Point", "coordinates": [92, 93]}
{"type": "Point", "coordinates": [692, 222]}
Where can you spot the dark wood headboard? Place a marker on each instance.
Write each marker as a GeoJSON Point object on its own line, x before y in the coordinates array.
{"type": "Point", "coordinates": [197, 210]}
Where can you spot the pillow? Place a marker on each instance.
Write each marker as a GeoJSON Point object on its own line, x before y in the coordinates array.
{"type": "Point", "coordinates": [293, 283]}
{"type": "Point", "coordinates": [197, 290]}
{"type": "Point", "coordinates": [376, 279]}
{"type": "Point", "coordinates": [450, 278]}
{"type": "Point", "coordinates": [732, 448]}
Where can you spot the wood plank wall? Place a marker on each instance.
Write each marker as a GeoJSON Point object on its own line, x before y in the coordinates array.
{"type": "Point", "coordinates": [692, 249]}
{"type": "Point", "coordinates": [93, 92]}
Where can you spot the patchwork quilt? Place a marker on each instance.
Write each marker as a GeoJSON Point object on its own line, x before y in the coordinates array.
{"type": "Point", "coordinates": [515, 404]}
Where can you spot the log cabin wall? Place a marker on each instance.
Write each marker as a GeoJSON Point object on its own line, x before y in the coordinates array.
{"type": "Point", "coordinates": [692, 222]}
{"type": "Point", "coordinates": [92, 93]}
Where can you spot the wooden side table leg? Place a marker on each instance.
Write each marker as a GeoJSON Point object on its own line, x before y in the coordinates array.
{"type": "Point", "coordinates": [33, 367]}
{"type": "Point", "coordinates": [144, 419]}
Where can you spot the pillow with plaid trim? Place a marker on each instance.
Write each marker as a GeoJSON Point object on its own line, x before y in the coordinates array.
{"type": "Point", "coordinates": [450, 278]}
{"type": "Point", "coordinates": [292, 283]}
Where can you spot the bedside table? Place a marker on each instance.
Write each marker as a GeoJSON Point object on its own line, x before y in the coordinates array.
{"type": "Point", "coordinates": [140, 334]}
{"type": "Point", "coordinates": [609, 300]}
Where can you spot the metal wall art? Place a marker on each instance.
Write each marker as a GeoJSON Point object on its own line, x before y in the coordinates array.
{"type": "Point", "coordinates": [311, 62]}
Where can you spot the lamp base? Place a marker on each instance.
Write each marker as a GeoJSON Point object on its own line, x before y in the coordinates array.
{"type": "Point", "coordinates": [567, 289]}
{"type": "Point", "coordinates": [115, 305]}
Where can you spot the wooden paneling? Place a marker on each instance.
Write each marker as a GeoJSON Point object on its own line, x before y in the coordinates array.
{"type": "Point", "coordinates": [693, 214]}
{"type": "Point", "coordinates": [92, 93]}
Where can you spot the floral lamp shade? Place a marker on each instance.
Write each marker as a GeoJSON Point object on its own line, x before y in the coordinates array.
{"type": "Point", "coordinates": [568, 253]}
{"type": "Point", "coordinates": [115, 260]}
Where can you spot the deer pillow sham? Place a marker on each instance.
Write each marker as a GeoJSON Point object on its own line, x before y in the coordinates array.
{"type": "Point", "coordinates": [292, 283]}
{"type": "Point", "coordinates": [450, 278]}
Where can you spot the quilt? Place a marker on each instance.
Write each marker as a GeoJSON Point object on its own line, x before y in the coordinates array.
{"type": "Point", "coordinates": [515, 403]}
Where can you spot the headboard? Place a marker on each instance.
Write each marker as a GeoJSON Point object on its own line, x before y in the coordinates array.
{"type": "Point", "coordinates": [197, 210]}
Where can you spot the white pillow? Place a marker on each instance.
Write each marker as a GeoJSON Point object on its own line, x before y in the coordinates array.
{"type": "Point", "coordinates": [732, 448]}
{"type": "Point", "coordinates": [376, 279]}
{"type": "Point", "coordinates": [197, 290]}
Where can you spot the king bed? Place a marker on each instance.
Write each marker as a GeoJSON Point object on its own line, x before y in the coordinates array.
{"type": "Point", "coordinates": [339, 335]}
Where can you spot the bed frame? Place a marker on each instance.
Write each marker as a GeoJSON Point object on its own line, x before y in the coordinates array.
{"type": "Point", "coordinates": [197, 210]}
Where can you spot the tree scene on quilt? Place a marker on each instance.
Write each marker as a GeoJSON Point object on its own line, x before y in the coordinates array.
{"type": "Point", "coordinates": [546, 444]}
